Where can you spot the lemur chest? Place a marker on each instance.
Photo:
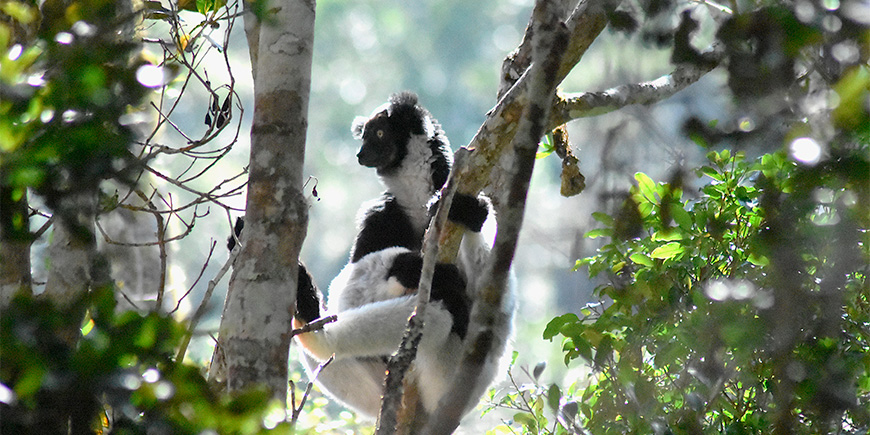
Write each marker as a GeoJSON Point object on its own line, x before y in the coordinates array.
{"type": "Point", "coordinates": [411, 185]}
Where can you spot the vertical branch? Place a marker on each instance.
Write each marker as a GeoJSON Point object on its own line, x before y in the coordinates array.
{"type": "Point", "coordinates": [161, 244]}
{"type": "Point", "coordinates": [550, 40]}
{"type": "Point", "coordinates": [73, 247]}
{"type": "Point", "coordinates": [401, 361]}
{"type": "Point", "coordinates": [203, 306]}
{"type": "Point", "coordinates": [15, 241]}
{"type": "Point", "coordinates": [255, 328]}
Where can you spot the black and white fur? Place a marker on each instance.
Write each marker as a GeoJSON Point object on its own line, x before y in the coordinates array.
{"type": "Point", "coordinates": [374, 294]}
{"type": "Point", "coordinates": [412, 157]}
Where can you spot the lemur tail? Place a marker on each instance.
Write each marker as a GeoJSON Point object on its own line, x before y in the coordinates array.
{"type": "Point", "coordinates": [307, 296]}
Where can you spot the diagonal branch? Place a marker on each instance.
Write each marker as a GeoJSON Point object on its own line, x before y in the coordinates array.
{"type": "Point", "coordinates": [550, 41]}
{"type": "Point", "coordinates": [584, 24]}
{"type": "Point", "coordinates": [586, 104]}
{"type": "Point", "coordinates": [401, 361]}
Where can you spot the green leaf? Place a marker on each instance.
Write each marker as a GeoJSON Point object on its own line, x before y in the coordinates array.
{"type": "Point", "coordinates": [527, 420]}
{"type": "Point", "coordinates": [205, 6]}
{"type": "Point", "coordinates": [710, 172]}
{"type": "Point", "coordinates": [599, 232]}
{"type": "Point", "coordinates": [645, 209]}
{"type": "Point", "coordinates": [758, 259]}
{"type": "Point", "coordinates": [604, 218]}
{"type": "Point", "coordinates": [667, 235]}
{"type": "Point", "coordinates": [554, 397]}
{"type": "Point", "coordinates": [681, 217]}
{"type": "Point", "coordinates": [30, 381]}
{"type": "Point", "coordinates": [668, 250]}
{"type": "Point", "coordinates": [642, 259]}
{"type": "Point", "coordinates": [646, 186]}
{"type": "Point", "coordinates": [554, 327]}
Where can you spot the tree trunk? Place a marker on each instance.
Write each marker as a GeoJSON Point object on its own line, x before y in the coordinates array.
{"type": "Point", "coordinates": [255, 327]}
{"type": "Point", "coordinates": [14, 245]}
{"type": "Point", "coordinates": [72, 250]}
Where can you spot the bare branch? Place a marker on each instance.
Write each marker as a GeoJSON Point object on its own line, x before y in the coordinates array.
{"type": "Point", "coordinates": [549, 44]}
{"type": "Point", "coordinates": [584, 24]}
{"type": "Point", "coordinates": [203, 306]}
{"type": "Point", "coordinates": [198, 277]}
{"type": "Point", "coordinates": [297, 410]}
{"type": "Point", "coordinates": [586, 104]}
{"type": "Point", "coordinates": [315, 325]}
{"type": "Point", "coordinates": [402, 359]}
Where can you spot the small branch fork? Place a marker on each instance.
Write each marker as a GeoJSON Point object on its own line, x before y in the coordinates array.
{"type": "Point", "coordinates": [174, 200]}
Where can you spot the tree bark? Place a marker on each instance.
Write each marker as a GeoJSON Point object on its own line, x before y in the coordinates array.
{"type": "Point", "coordinates": [485, 167]}
{"type": "Point", "coordinates": [14, 245]}
{"type": "Point", "coordinates": [73, 249]}
{"type": "Point", "coordinates": [255, 327]}
{"type": "Point", "coordinates": [549, 42]}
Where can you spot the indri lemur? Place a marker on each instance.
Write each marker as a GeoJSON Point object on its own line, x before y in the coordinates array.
{"type": "Point", "coordinates": [373, 295]}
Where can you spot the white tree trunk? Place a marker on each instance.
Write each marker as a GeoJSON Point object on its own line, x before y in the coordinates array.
{"type": "Point", "coordinates": [255, 328]}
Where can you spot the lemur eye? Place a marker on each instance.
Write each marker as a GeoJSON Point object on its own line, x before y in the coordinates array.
{"type": "Point", "coordinates": [380, 134]}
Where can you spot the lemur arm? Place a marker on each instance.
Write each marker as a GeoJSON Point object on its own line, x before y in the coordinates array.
{"type": "Point", "coordinates": [374, 329]}
{"type": "Point", "coordinates": [469, 211]}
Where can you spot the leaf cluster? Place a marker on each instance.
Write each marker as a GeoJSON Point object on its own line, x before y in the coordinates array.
{"type": "Point", "coordinates": [112, 373]}
{"type": "Point", "coordinates": [68, 77]}
{"type": "Point", "coordinates": [743, 310]}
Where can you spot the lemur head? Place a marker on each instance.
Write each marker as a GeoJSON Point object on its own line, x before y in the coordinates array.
{"type": "Point", "coordinates": [387, 137]}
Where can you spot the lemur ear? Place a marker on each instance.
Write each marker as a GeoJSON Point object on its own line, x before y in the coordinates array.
{"type": "Point", "coordinates": [356, 127]}
{"type": "Point", "coordinates": [428, 127]}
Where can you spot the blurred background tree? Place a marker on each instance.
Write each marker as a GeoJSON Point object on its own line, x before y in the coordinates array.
{"type": "Point", "coordinates": [790, 98]}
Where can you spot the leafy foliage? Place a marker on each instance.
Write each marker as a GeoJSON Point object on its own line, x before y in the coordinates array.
{"type": "Point", "coordinates": [114, 372]}
{"type": "Point", "coordinates": [67, 80]}
{"type": "Point", "coordinates": [530, 403]}
{"type": "Point", "coordinates": [741, 311]}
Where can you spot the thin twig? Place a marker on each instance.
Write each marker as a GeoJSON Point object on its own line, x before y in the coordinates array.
{"type": "Point", "coordinates": [198, 277]}
{"type": "Point", "coordinates": [298, 410]}
{"type": "Point", "coordinates": [314, 325]}
{"type": "Point", "coordinates": [200, 311]}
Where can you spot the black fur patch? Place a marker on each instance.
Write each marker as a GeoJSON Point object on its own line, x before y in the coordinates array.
{"type": "Point", "coordinates": [406, 269]}
{"type": "Point", "coordinates": [469, 210]}
{"type": "Point", "coordinates": [406, 115]}
{"type": "Point", "coordinates": [448, 287]}
{"type": "Point", "coordinates": [307, 297]}
{"type": "Point", "coordinates": [384, 144]}
{"type": "Point", "coordinates": [384, 226]}
{"type": "Point", "coordinates": [237, 229]}
{"type": "Point", "coordinates": [466, 210]}
{"type": "Point", "coordinates": [440, 164]}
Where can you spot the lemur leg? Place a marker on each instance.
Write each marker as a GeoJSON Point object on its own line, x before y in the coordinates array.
{"type": "Point", "coordinates": [375, 329]}
{"type": "Point", "coordinates": [357, 383]}
{"type": "Point", "coordinates": [472, 261]}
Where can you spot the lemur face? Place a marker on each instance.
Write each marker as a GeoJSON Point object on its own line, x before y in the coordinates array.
{"type": "Point", "coordinates": [380, 147]}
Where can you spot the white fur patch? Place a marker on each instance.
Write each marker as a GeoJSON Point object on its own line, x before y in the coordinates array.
{"type": "Point", "coordinates": [411, 184]}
